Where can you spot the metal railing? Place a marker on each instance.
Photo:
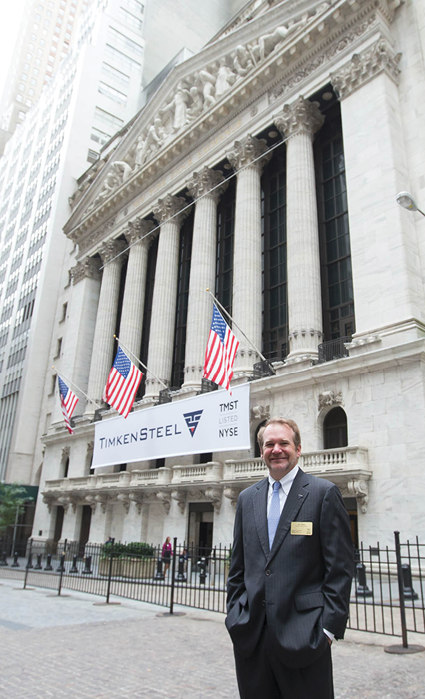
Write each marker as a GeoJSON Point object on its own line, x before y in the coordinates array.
{"type": "Point", "coordinates": [387, 597]}
{"type": "Point", "coordinates": [333, 349]}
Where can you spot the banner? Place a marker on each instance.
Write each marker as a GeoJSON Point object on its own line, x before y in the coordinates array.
{"type": "Point", "coordinates": [210, 422]}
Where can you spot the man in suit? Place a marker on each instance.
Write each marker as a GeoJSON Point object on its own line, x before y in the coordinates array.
{"type": "Point", "coordinates": [290, 576]}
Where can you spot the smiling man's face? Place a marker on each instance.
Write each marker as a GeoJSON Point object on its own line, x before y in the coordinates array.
{"type": "Point", "coordinates": [279, 451]}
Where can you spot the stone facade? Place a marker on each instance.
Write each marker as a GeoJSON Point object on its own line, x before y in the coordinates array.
{"type": "Point", "coordinates": [269, 90]}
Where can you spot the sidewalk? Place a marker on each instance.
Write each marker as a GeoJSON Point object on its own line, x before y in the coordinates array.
{"type": "Point", "coordinates": [68, 647]}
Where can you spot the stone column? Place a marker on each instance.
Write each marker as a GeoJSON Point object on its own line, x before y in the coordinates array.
{"type": "Point", "coordinates": [103, 343]}
{"type": "Point", "coordinates": [161, 335]}
{"type": "Point", "coordinates": [246, 306]}
{"type": "Point", "coordinates": [384, 237]}
{"type": "Point", "coordinates": [202, 271]}
{"type": "Point", "coordinates": [130, 332]}
{"type": "Point", "coordinates": [299, 122]}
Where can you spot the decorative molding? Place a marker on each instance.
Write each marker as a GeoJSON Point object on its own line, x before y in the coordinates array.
{"type": "Point", "coordinates": [360, 490]}
{"type": "Point", "coordinates": [94, 238]}
{"type": "Point", "coordinates": [302, 116]}
{"type": "Point", "coordinates": [214, 495]}
{"type": "Point", "coordinates": [139, 229]}
{"type": "Point", "coordinates": [205, 182]}
{"type": "Point", "coordinates": [124, 498]}
{"type": "Point", "coordinates": [180, 496]}
{"type": "Point", "coordinates": [89, 267]}
{"type": "Point", "coordinates": [165, 498]}
{"type": "Point", "coordinates": [169, 207]}
{"type": "Point", "coordinates": [365, 66]}
{"type": "Point", "coordinates": [260, 413]}
{"type": "Point", "coordinates": [232, 494]}
{"type": "Point", "coordinates": [294, 76]}
{"type": "Point", "coordinates": [328, 398]}
{"type": "Point", "coordinates": [248, 151]}
{"type": "Point", "coordinates": [111, 250]}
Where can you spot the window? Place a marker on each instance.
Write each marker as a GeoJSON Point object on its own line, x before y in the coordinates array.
{"type": "Point", "coordinates": [124, 42]}
{"type": "Point", "coordinates": [108, 118]}
{"type": "Point", "coordinates": [121, 58]}
{"type": "Point", "coordinates": [28, 56]}
{"type": "Point", "coordinates": [31, 92]}
{"type": "Point", "coordinates": [112, 93]}
{"type": "Point", "coordinates": [335, 253]}
{"type": "Point", "coordinates": [19, 98]}
{"type": "Point", "coordinates": [21, 115]}
{"type": "Point", "coordinates": [335, 429]}
{"type": "Point", "coordinates": [64, 312]}
{"type": "Point", "coordinates": [24, 76]}
{"type": "Point", "coordinates": [92, 156]}
{"type": "Point", "coordinates": [115, 74]}
{"type": "Point", "coordinates": [33, 81]}
{"type": "Point", "coordinates": [35, 71]}
{"type": "Point", "coordinates": [58, 348]}
{"type": "Point", "coordinates": [99, 136]}
{"type": "Point", "coordinates": [130, 19]}
{"type": "Point", "coordinates": [225, 232]}
{"type": "Point", "coordinates": [21, 87]}
{"type": "Point", "coordinates": [28, 103]}
{"type": "Point", "coordinates": [275, 307]}
{"type": "Point", "coordinates": [182, 301]}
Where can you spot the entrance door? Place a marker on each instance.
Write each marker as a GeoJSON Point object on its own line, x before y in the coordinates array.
{"type": "Point", "coordinates": [201, 523]}
{"type": "Point", "coordinates": [85, 529]}
{"type": "Point", "coordinates": [58, 525]}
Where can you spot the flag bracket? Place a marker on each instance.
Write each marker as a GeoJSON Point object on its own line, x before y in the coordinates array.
{"type": "Point", "coordinates": [164, 396]}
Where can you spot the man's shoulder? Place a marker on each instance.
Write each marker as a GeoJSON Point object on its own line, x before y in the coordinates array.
{"type": "Point", "coordinates": [320, 485]}
{"type": "Point", "coordinates": [249, 492]}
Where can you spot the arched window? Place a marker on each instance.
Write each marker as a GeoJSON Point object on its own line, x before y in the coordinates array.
{"type": "Point", "coordinates": [335, 429]}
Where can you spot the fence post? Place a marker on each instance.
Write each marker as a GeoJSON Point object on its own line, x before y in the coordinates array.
{"type": "Point", "coordinates": [173, 572]}
{"type": "Point", "coordinates": [28, 566]}
{"type": "Point", "coordinates": [110, 571]}
{"type": "Point", "coordinates": [61, 569]}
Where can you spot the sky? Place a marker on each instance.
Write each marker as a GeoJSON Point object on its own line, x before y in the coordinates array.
{"type": "Point", "coordinates": [9, 25]}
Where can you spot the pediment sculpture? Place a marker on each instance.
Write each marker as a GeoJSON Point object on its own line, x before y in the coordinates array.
{"type": "Point", "coordinates": [193, 96]}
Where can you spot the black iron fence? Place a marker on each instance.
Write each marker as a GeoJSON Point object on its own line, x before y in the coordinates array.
{"type": "Point", "coordinates": [388, 592]}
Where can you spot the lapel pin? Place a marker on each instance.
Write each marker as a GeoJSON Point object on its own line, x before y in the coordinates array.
{"type": "Point", "coordinates": [300, 495]}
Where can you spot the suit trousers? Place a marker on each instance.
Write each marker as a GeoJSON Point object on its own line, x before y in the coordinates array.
{"type": "Point", "coordinates": [264, 676]}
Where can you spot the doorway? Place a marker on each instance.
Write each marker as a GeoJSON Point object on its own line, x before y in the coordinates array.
{"type": "Point", "coordinates": [84, 530]}
{"type": "Point", "coordinates": [201, 524]}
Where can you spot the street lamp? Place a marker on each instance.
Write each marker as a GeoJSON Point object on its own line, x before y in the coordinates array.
{"type": "Point", "coordinates": [407, 202]}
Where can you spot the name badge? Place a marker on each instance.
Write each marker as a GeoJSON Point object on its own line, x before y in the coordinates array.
{"type": "Point", "coordinates": [302, 528]}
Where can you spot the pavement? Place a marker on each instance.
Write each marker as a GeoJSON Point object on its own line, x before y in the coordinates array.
{"type": "Point", "coordinates": [77, 647]}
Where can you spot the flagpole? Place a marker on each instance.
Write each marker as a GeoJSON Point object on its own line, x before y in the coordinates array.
{"type": "Point", "coordinates": [141, 363]}
{"type": "Point", "coordinates": [237, 326]}
{"type": "Point", "coordinates": [75, 386]}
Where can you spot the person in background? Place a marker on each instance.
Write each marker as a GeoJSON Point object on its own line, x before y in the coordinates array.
{"type": "Point", "coordinates": [167, 552]}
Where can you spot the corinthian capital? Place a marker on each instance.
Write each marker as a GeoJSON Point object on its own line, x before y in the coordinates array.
{"type": "Point", "coordinates": [365, 66]}
{"type": "Point", "coordinates": [138, 229]}
{"type": "Point", "coordinates": [111, 249]}
{"type": "Point", "coordinates": [89, 267]}
{"type": "Point", "coordinates": [249, 152]}
{"type": "Point", "coordinates": [204, 181]}
{"type": "Point", "coordinates": [302, 115]}
{"type": "Point", "coordinates": [170, 207]}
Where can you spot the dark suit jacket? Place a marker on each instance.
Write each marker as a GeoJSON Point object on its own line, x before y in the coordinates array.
{"type": "Point", "coordinates": [303, 584]}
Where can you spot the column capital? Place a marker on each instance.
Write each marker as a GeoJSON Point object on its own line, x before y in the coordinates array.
{"type": "Point", "coordinates": [89, 267]}
{"type": "Point", "coordinates": [138, 229]}
{"type": "Point", "coordinates": [247, 151]}
{"type": "Point", "coordinates": [111, 249]}
{"type": "Point", "coordinates": [362, 67]}
{"type": "Point", "coordinates": [204, 181]}
{"type": "Point", "coordinates": [169, 207]}
{"type": "Point", "coordinates": [302, 115]}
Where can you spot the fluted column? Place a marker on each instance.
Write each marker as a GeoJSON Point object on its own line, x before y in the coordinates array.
{"type": "Point", "coordinates": [103, 343]}
{"type": "Point", "coordinates": [135, 282]}
{"type": "Point", "coordinates": [161, 336]}
{"type": "Point", "coordinates": [299, 122]}
{"type": "Point", "coordinates": [246, 305]}
{"type": "Point", "coordinates": [202, 271]}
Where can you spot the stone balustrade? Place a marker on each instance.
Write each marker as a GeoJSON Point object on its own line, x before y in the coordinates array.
{"type": "Point", "coordinates": [348, 467]}
{"type": "Point", "coordinates": [198, 473]}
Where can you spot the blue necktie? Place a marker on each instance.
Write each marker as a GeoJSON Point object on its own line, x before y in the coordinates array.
{"type": "Point", "coordinates": [274, 512]}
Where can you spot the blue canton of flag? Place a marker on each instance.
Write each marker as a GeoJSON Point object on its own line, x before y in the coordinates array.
{"type": "Point", "coordinates": [122, 384]}
{"type": "Point", "coordinates": [192, 420]}
{"type": "Point", "coordinates": [68, 401]}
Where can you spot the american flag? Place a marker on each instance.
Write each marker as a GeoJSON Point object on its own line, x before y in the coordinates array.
{"type": "Point", "coordinates": [220, 354]}
{"type": "Point", "coordinates": [68, 403]}
{"type": "Point", "coordinates": [122, 384]}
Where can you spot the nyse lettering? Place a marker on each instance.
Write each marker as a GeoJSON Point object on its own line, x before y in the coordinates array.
{"type": "Point", "coordinates": [228, 432]}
